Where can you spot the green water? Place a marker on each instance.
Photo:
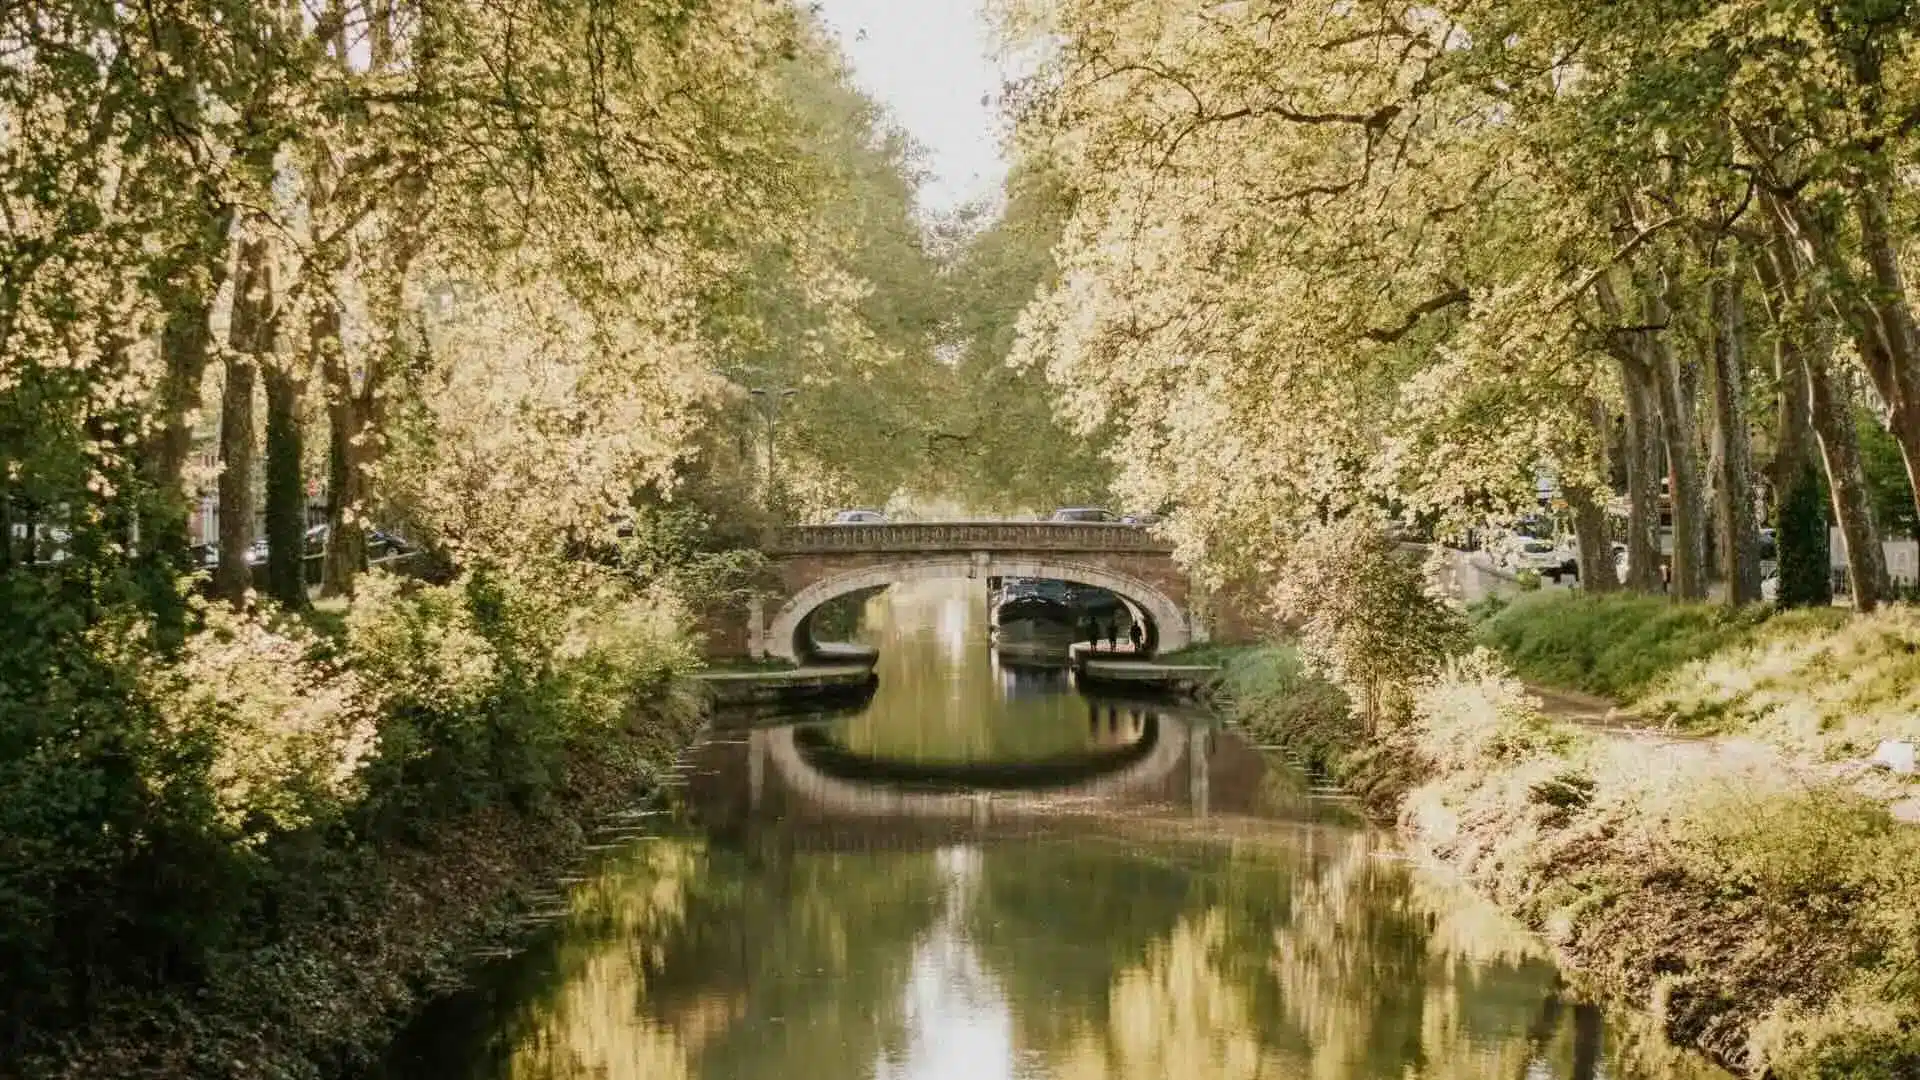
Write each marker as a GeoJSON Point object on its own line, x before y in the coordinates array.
{"type": "Point", "coordinates": [1174, 906]}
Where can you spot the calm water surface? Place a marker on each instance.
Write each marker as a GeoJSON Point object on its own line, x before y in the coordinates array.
{"type": "Point", "coordinates": [984, 876]}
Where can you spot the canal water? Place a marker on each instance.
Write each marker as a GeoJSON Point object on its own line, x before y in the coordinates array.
{"type": "Point", "coordinates": [982, 875]}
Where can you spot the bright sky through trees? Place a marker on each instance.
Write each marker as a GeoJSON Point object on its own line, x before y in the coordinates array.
{"type": "Point", "coordinates": [929, 62]}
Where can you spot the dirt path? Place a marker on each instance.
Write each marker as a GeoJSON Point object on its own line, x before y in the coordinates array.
{"type": "Point", "coordinates": [1723, 754]}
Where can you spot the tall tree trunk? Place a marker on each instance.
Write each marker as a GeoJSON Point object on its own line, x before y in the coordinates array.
{"type": "Point", "coordinates": [1642, 450]}
{"type": "Point", "coordinates": [250, 335]}
{"type": "Point", "coordinates": [1588, 503]}
{"type": "Point", "coordinates": [1882, 320]}
{"type": "Point", "coordinates": [346, 549]}
{"type": "Point", "coordinates": [1829, 407]}
{"type": "Point", "coordinates": [1733, 503]}
{"type": "Point", "coordinates": [1802, 549]}
{"type": "Point", "coordinates": [232, 578]}
{"type": "Point", "coordinates": [1644, 469]}
{"type": "Point", "coordinates": [1832, 411]}
{"type": "Point", "coordinates": [1597, 574]}
{"type": "Point", "coordinates": [1674, 383]}
{"type": "Point", "coordinates": [1893, 354]}
{"type": "Point", "coordinates": [286, 489]}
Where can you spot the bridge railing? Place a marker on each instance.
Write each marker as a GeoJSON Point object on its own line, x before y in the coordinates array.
{"type": "Point", "coordinates": [966, 536]}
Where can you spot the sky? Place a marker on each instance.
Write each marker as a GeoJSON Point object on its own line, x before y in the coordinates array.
{"type": "Point", "coordinates": [929, 62]}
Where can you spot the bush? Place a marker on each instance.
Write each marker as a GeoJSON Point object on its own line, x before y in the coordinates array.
{"type": "Point", "coordinates": [117, 865]}
{"type": "Point", "coordinates": [166, 813]}
{"type": "Point", "coordinates": [1476, 715]}
{"type": "Point", "coordinates": [1801, 526]}
{"type": "Point", "coordinates": [484, 684]}
{"type": "Point", "coordinates": [1367, 620]}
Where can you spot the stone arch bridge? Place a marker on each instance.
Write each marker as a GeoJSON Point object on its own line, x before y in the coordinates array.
{"type": "Point", "coordinates": [813, 564]}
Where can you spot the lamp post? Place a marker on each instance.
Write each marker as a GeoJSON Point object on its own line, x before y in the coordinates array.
{"type": "Point", "coordinates": [770, 400]}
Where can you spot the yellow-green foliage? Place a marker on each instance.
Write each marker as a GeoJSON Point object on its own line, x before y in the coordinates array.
{"type": "Point", "coordinates": [484, 683]}
{"type": "Point", "coordinates": [286, 729]}
{"type": "Point", "coordinates": [1806, 683]}
{"type": "Point", "coordinates": [1477, 713]}
{"type": "Point", "coordinates": [1619, 644]}
{"type": "Point", "coordinates": [1843, 859]}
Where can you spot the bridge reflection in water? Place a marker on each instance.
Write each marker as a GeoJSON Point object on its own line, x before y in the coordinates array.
{"type": "Point", "coordinates": [982, 878]}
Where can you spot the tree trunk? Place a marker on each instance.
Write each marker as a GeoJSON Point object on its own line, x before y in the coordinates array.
{"type": "Point", "coordinates": [1733, 503]}
{"type": "Point", "coordinates": [1642, 449]}
{"type": "Point", "coordinates": [250, 334]}
{"type": "Point", "coordinates": [1590, 532]}
{"type": "Point", "coordinates": [1830, 411]}
{"type": "Point", "coordinates": [1839, 447]}
{"type": "Point", "coordinates": [286, 490]}
{"type": "Point", "coordinates": [1893, 356]}
{"type": "Point", "coordinates": [232, 578]}
{"type": "Point", "coordinates": [1882, 321]}
{"type": "Point", "coordinates": [1674, 383]}
{"type": "Point", "coordinates": [346, 550]}
{"type": "Point", "coordinates": [1802, 550]}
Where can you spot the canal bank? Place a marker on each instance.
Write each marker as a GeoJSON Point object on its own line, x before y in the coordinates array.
{"type": "Point", "coordinates": [404, 925]}
{"type": "Point", "coordinates": [1758, 913]}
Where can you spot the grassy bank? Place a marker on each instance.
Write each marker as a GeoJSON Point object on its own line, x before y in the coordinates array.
{"type": "Point", "coordinates": [1820, 684]}
{"type": "Point", "coordinates": [1621, 645]}
{"type": "Point", "coordinates": [311, 830]}
{"type": "Point", "coordinates": [1770, 918]}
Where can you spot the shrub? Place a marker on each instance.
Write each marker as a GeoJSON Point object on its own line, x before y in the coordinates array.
{"type": "Point", "coordinates": [1805, 558]}
{"type": "Point", "coordinates": [1475, 714]}
{"type": "Point", "coordinates": [483, 684]}
{"type": "Point", "coordinates": [115, 863]}
{"type": "Point", "coordinates": [288, 731]}
{"type": "Point", "coordinates": [1367, 619]}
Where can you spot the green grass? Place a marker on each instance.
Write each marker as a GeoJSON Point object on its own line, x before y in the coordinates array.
{"type": "Point", "coordinates": [1268, 690]}
{"type": "Point", "coordinates": [1619, 645]}
{"type": "Point", "coordinates": [327, 617]}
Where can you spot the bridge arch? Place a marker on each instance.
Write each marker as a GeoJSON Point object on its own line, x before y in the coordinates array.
{"type": "Point", "coordinates": [1168, 621]}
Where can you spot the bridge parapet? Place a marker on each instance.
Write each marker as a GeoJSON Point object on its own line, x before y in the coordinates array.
{"type": "Point", "coordinates": [947, 536]}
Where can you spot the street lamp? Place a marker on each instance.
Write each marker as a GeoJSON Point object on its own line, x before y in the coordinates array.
{"type": "Point", "coordinates": [770, 401]}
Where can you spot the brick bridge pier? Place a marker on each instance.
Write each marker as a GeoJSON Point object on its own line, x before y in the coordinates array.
{"type": "Point", "coordinates": [812, 564]}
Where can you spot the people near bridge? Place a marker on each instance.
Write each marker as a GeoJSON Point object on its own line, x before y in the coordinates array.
{"type": "Point", "coordinates": [1134, 635]}
{"type": "Point", "coordinates": [1091, 631]}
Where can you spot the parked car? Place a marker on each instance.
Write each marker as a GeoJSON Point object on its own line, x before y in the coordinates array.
{"type": "Point", "coordinates": [1522, 553]}
{"type": "Point", "coordinates": [859, 517]}
{"type": "Point", "coordinates": [1083, 513]}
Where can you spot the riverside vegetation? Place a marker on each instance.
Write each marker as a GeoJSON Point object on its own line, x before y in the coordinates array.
{"type": "Point", "coordinates": [1754, 900]}
{"type": "Point", "coordinates": [503, 277]}
{"type": "Point", "coordinates": [506, 277]}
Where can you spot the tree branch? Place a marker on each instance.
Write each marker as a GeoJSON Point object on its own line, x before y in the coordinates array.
{"type": "Point", "coordinates": [1389, 335]}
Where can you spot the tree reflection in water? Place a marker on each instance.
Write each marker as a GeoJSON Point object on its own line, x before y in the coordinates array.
{"type": "Point", "coordinates": [1136, 944]}
{"type": "Point", "coordinates": [1089, 958]}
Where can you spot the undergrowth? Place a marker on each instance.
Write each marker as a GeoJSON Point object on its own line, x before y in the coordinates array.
{"type": "Point", "coordinates": [1773, 921]}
